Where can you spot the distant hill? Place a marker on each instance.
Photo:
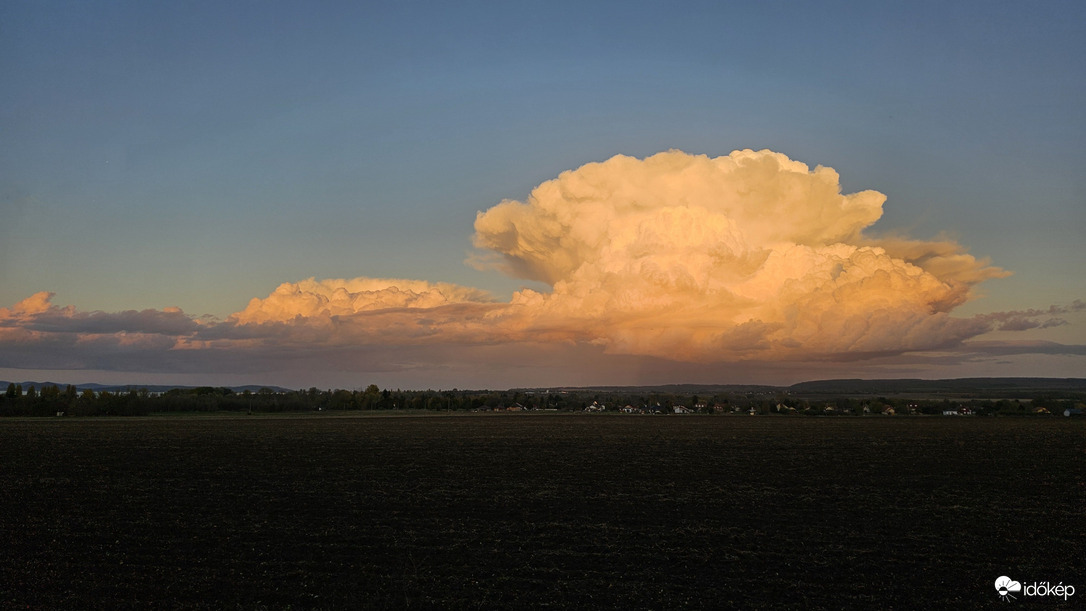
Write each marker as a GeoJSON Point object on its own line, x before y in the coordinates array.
{"type": "Point", "coordinates": [156, 388]}
{"type": "Point", "coordinates": [973, 387]}
{"type": "Point", "coordinates": [977, 387]}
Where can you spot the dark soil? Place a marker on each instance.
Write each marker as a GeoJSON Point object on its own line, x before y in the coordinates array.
{"type": "Point", "coordinates": [554, 511]}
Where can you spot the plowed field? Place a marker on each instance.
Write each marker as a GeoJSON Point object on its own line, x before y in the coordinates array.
{"type": "Point", "coordinates": [550, 511]}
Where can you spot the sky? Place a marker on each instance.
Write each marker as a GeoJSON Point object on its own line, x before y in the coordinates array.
{"type": "Point", "coordinates": [493, 195]}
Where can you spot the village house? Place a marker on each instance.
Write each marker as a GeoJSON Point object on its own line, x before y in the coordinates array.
{"type": "Point", "coordinates": [960, 411]}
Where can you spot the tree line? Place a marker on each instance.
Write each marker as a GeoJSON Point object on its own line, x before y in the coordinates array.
{"type": "Point", "coordinates": [51, 400]}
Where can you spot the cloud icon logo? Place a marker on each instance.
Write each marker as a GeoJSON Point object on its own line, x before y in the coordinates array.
{"type": "Point", "coordinates": [1005, 585]}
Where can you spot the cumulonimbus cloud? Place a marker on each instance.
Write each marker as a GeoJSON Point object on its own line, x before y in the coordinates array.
{"type": "Point", "coordinates": [703, 258]}
{"type": "Point", "coordinates": [749, 256]}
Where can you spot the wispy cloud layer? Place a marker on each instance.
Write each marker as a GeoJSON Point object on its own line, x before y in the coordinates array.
{"type": "Point", "coordinates": [683, 258]}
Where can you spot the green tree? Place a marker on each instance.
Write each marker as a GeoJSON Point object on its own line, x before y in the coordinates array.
{"type": "Point", "coordinates": [70, 396]}
{"type": "Point", "coordinates": [371, 397]}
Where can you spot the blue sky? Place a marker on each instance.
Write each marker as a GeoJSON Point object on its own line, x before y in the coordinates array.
{"type": "Point", "coordinates": [199, 154]}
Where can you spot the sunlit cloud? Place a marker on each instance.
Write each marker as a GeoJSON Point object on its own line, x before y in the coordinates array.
{"type": "Point", "coordinates": [748, 255]}
{"type": "Point", "coordinates": [311, 298]}
{"type": "Point", "coordinates": [37, 314]}
{"type": "Point", "coordinates": [746, 258]}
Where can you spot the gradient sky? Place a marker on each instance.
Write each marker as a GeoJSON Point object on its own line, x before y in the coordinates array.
{"type": "Point", "coordinates": [198, 155]}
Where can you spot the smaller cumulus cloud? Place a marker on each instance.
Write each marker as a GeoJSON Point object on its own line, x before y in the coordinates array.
{"type": "Point", "coordinates": [366, 311]}
{"type": "Point", "coordinates": [1023, 320]}
{"type": "Point", "coordinates": [38, 314]}
{"type": "Point", "coordinates": [36, 333]}
{"type": "Point", "coordinates": [334, 298]}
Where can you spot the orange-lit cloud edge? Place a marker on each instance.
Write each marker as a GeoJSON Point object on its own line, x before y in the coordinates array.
{"type": "Point", "coordinates": [678, 258]}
